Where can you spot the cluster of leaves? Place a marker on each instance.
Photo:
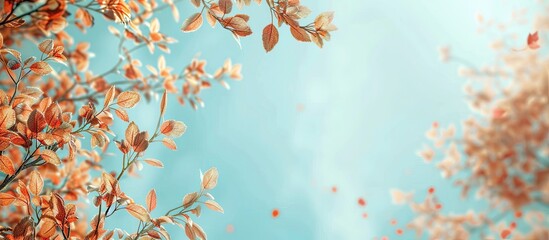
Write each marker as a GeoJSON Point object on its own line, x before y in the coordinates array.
{"type": "Point", "coordinates": [53, 106]}
{"type": "Point", "coordinates": [502, 153]}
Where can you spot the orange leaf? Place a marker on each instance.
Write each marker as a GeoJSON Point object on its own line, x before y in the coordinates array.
{"type": "Point", "coordinates": [154, 162]}
{"type": "Point", "coordinates": [40, 68]}
{"type": "Point", "coordinates": [533, 41]}
{"type": "Point", "coordinates": [172, 128]}
{"type": "Point", "coordinates": [209, 181]}
{"type": "Point", "coordinates": [53, 115]}
{"type": "Point", "coordinates": [270, 37]}
{"type": "Point", "coordinates": [109, 96]}
{"type": "Point", "coordinates": [192, 23]}
{"type": "Point", "coordinates": [214, 206]}
{"type": "Point", "coordinates": [6, 165]}
{"type": "Point", "coordinates": [6, 199]}
{"type": "Point", "coordinates": [300, 34]}
{"type": "Point", "coordinates": [169, 143]}
{"type": "Point", "coordinates": [36, 183]}
{"type": "Point", "coordinates": [128, 99]}
{"type": "Point", "coordinates": [163, 103]}
{"type": "Point", "coordinates": [46, 46]}
{"type": "Point", "coordinates": [138, 212]}
{"type": "Point", "coordinates": [7, 117]}
{"type": "Point", "coordinates": [122, 114]}
{"type": "Point", "coordinates": [36, 121]}
{"type": "Point", "coordinates": [50, 157]}
{"type": "Point", "coordinates": [151, 200]}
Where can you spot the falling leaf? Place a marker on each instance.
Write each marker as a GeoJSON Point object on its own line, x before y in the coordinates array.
{"type": "Point", "coordinates": [361, 202]}
{"type": "Point", "coordinates": [533, 41]}
{"type": "Point", "coordinates": [275, 213]}
{"type": "Point", "coordinates": [505, 233]}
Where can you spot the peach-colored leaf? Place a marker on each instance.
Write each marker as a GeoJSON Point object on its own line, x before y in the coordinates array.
{"type": "Point", "coordinates": [7, 117]}
{"type": "Point", "coordinates": [109, 96]}
{"type": "Point", "coordinates": [214, 206]}
{"type": "Point", "coordinates": [128, 99]}
{"type": "Point", "coordinates": [270, 37]}
{"type": "Point", "coordinates": [154, 162]}
{"type": "Point", "coordinates": [122, 114]}
{"type": "Point", "coordinates": [151, 200]}
{"type": "Point", "coordinates": [131, 132]}
{"type": "Point", "coordinates": [50, 157]}
{"type": "Point", "coordinates": [172, 128]}
{"type": "Point", "coordinates": [300, 34]}
{"type": "Point", "coordinates": [193, 23]}
{"type": "Point", "coordinates": [41, 68]}
{"type": "Point", "coordinates": [6, 165]}
{"type": "Point", "coordinates": [138, 212]}
{"type": "Point", "coordinates": [169, 143]}
{"type": "Point", "coordinates": [36, 183]}
{"type": "Point", "coordinates": [163, 103]}
{"type": "Point", "coordinates": [46, 46]}
{"type": "Point", "coordinates": [53, 115]}
{"type": "Point", "coordinates": [209, 181]}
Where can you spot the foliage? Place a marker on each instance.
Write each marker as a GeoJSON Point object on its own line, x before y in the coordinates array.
{"type": "Point", "coordinates": [501, 154]}
{"type": "Point", "coordinates": [48, 168]}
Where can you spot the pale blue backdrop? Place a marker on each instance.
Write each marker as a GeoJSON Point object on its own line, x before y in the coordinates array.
{"type": "Point", "coordinates": [368, 98]}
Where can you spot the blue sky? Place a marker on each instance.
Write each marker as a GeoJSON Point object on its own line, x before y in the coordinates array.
{"type": "Point", "coordinates": [368, 98]}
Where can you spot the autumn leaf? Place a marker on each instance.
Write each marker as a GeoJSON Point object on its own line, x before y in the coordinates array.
{"type": "Point", "coordinates": [6, 165]}
{"type": "Point", "coordinates": [214, 206]}
{"type": "Point", "coordinates": [6, 199]}
{"type": "Point", "coordinates": [192, 23]}
{"type": "Point", "coordinates": [300, 34]}
{"type": "Point", "coordinates": [53, 115]}
{"type": "Point", "coordinates": [154, 162]}
{"type": "Point", "coordinates": [163, 103]}
{"type": "Point", "coordinates": [131, 132]}
{"type": "Point", "coordinates": [138, 212]}
{"type": "Point", "coordinates": [41, 68]}
{"type": "Point", "coordinates": [128, 99]}
{"type": "Point", "coordinates": [151, 200]}
{"type": "Point", "coordinates": [36, 121]}
{"type": "Point", "coordinates": [36, 183]}
{"type": "Point", "coordinates": [270, 37]}
{"type": "Point", "coordinates": [109, 96]}
{"type": "Point", "coordinates": [122, 114]}
{"type": "Point", "coordinates": [209, 181]}
{"type": "Point", "coordinates": [169, 143]}
{"type": "Point", "coordinates": [50, 157]}
{"type": "Point", "coordinates": [172, 128]}
{"type": "Point", "coordinates": [46, 46]}
{"type": "Point", "coordinates": [226, 6]}
{"type": "Point", "coordinates": [7, 117]}
{"type": "Point", "coordinates": [533, 41]}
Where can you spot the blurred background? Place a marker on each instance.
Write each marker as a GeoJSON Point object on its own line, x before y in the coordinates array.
{"type": "Point", "coordinates": [305, 120]}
